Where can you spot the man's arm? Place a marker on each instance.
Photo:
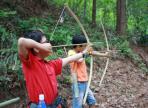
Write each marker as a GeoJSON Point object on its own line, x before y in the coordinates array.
{"type": "Point", "coordinates": [71, 58]}
{"type": "Point", "coordinates": [25, 44]}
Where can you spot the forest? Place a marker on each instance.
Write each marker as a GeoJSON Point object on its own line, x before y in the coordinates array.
{"type": "Point", "coordinates": [119, 27]}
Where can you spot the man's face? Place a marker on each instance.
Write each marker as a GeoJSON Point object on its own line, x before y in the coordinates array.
{"type": "Point", "coordinates": [42, 53]}
{"type": "Point", "coordinates": [44, 40]}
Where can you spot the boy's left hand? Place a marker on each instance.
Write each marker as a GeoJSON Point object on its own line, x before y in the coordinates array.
{"type": "Point", "coordinates": [88, 50]}
{"type": "Point", "coordinates": [108, 54]}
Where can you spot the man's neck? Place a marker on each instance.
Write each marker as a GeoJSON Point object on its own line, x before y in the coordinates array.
{"type": "Point", "coordinates": [38, 55]}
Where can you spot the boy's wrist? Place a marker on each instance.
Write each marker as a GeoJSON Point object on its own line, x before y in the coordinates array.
{"type": "Point", "coordinates": [85, 55]}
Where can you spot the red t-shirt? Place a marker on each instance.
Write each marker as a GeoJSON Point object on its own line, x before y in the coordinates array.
{"type": "Point", "coordinates": [40, 76]}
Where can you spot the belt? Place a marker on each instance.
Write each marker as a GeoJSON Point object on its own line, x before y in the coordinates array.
{"type": "Point", "coordinates": [82, 81]}
{"type": "Point", "coordinates": [59, 101]}
{"type": "Point", "coordinates": [34, 105]}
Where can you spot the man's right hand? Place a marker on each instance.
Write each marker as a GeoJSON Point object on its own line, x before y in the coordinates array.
{"type": "Point", "coordinates": [25, 44]}
{"type": "Point", "coordinates": [47, 47]}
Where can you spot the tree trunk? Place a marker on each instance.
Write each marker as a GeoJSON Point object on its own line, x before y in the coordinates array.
{"type": "Point", "coordinates": [121, 17]}
{"type": "Point", "coordinates": [94, 13]}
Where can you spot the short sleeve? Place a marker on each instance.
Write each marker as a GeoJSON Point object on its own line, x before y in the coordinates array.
{"type": "Point", "coordinates": [57, 65]}
{"type": "Point", "coordinates": [73, 65]}
{"type": "Point", "coordinates": [29, 60]}
{"type": "Point", "coordinates": [71, 52]}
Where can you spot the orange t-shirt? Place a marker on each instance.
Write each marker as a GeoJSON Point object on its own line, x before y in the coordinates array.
{"type": "Point", "coordinates": [78, 67]}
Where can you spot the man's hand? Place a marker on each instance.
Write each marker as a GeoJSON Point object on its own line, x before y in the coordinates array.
{"type": "Point", "coordinates": [47, 47]}
{"type": "Point", "coordinates": [24, 44]}
{"type": "Point", "coordinates": [47, 50]}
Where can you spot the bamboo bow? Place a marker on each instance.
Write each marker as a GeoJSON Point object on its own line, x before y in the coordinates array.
{"type": "Point", "coordinates": [88, 41]}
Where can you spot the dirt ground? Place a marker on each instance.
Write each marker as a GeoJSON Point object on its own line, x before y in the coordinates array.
{"type": "Point", "coordinates": [124, 86]}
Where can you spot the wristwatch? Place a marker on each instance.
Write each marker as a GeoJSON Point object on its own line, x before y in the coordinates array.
{"type": "Point", "coordinates": [85, 55]}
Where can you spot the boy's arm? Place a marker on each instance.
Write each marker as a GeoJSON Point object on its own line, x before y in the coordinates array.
{"type": "Point", "coordinates": [80, 60]}
{"type": "Point", "coordinates": [25, 44]}
{"type": "Point", "coordinates": [78, 57]}
{"type": "Point", "coordinates": [96, 53]}
{"type": "Point", "coordinates": [72, 52]}
{"type": "Point", "coordinates": [71, 58]}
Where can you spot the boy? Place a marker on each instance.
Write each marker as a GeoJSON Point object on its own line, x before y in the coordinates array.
{"type": "Point", "coordinates": [40, 75]}
{"type": "Point", "coordinates": [79, 69]}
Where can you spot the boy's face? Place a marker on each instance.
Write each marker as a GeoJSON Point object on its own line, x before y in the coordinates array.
{"type": "Point", "coordinates": [80, 48]}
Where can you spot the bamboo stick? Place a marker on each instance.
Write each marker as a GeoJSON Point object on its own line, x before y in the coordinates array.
{"type": "Point", "coordinates": [11, 101]}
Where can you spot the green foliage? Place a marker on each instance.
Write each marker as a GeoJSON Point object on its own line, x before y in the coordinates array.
{"type": "Point", "coordinates": [35, 23]}
{"type": "Point", "coordinates": [67, 79]}
{"type": "Point", "coordinates": [61, 36]}
{"type": "Point", "coordinates": [52, 57]}
{"type": "Point", "coordinates": [107, 12]}
{"type": "Point", "coordinates": [144, 40]}
{"type": "Point", "coordinates": [6, 13]}
{"type": "Point", "coordinates": [7, 39]}
{"type": "Point", "coordinates": [3, 34]}
{"type": "Point", "coordinates": [137, 17]}
{"type": "Point", "coordinates": [106, 9]}
{"type": "Point", "coordinates": [122, 44]}
{"type": "Point", "coordinates": [137, 20]}
{"type": "Point", "coordinates": [8, 56]}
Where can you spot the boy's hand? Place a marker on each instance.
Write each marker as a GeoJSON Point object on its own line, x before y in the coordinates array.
{"type": "Point", "coordinates": [88, 50]}
{"type": "Point", "coordinates": [108, 54]}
